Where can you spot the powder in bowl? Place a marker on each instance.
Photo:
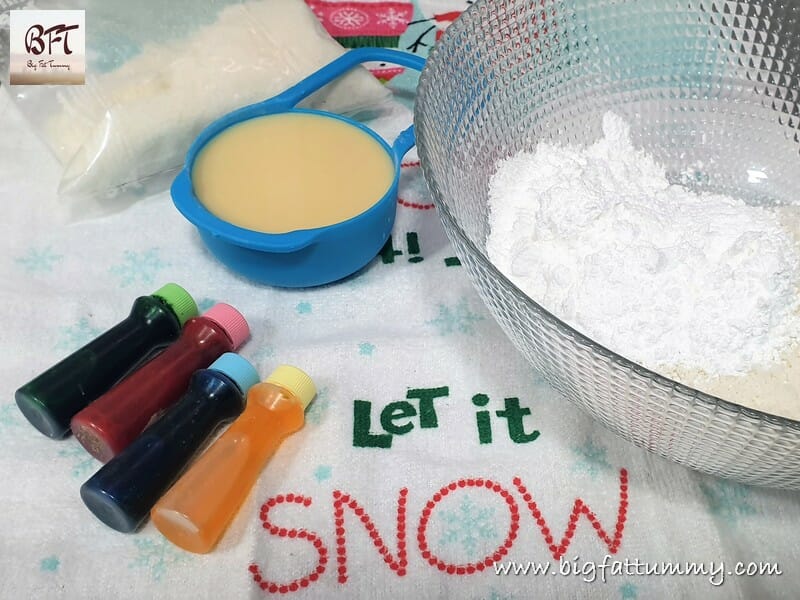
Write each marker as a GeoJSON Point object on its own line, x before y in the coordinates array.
{"type": "Point", "coordinates": [674, 280]}
{"type": "Point", "coordinates": [291, 171]}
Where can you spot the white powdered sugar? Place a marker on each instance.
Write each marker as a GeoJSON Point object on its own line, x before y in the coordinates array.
{"type": "Point", "coordinates": [669, 278]}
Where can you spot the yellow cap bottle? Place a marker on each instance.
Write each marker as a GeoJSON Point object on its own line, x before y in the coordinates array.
{"type": "Point", "coordinates": [197, 510]}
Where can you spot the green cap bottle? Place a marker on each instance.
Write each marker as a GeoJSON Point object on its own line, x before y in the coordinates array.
{"type": "Point", "coordinates": [52, 398]}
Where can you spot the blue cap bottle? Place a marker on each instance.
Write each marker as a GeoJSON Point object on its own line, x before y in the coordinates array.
{"type": "Point", "coordinates": [124, 490]}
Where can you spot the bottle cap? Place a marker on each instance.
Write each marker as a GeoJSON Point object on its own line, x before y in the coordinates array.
{"type": "Point", "coordinates": [179, 300]}
{"type": "Point", "coordinates": [295, 381]}
{"type": "Point", "coordinates": [239, 369]}
{"type": "Point", "coordinates": [231, 321]}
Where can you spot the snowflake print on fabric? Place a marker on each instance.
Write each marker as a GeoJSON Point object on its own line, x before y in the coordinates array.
{"type": "Point", "coordinates": [322, 472]}
{"type": "Point", "coordinates": [360, 23]}
{"type": "Point", "coordinates": [319, 407]}
{"type": "Point", "coordinates": [139, 267]}
{"type": "Point", "coordinates": [205, 303]}
{"type": "Point", "coordinates": [393, 18]}
{"type": "Point", "coordinates": [590, 459]}
{"type": "Point", "coordinates": [728, 501]}
{"type": "Point", "coordinates": [78, 335]}
{"type": "Point", "coordinates": [262, 354]}
{"type": "Point", "coordinates": [538, 379]}
{"type": "Point", "coordinates": [49, 564]}
{"type": "Point", "coordinates": [366, 349]}
{"type": "Point", "coordinates": [9, 416]}
{"type": "Point", "coordinates": [82, 462]}
{"type": "Point", "coordinates": [38, 260]}
{"type": "Point", "coordinates": [349, 18]}
{"type": "Point", "coordinates": [455, 319]}
{"type": "Point", "coordinates": [468, 526]}
{"type": "Point", "coordinates": [157, 556]}
{"type": "Point", "coordinates": [628, 592]}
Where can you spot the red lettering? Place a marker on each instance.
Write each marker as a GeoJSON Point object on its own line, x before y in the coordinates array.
{"type": "Point", "coordinates": [397, 564]}
{"type": "Point", "coordinates": [282, 532]}
{"type": "Point", "coordinates": [398, 561]}
{"type": "Point", "coordinates": [488, 561]}
{"type": "Point", "coordinates": [578, 509]}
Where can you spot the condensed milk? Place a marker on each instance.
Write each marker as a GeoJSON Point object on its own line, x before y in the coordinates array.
{"type": "Point", "coordinates": [291, 171]}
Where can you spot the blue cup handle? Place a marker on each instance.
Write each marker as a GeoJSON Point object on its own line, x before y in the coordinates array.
{"type": "Point", "coordinates": [404, 142]}
{"type": "Point", "coordinates": [289, 98]}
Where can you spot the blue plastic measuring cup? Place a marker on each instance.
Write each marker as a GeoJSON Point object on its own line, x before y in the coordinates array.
{"type": "Point", "coordinates": [307, 257]}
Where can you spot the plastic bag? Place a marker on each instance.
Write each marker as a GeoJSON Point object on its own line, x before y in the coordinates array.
{"type": "Point", "coordinates": [158, 72]}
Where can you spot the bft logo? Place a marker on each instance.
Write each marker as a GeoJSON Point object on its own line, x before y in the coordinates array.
{"type": "Point", "coordinates": [47, 47]}
{"type": "Point", "coordinates": [37, 39]}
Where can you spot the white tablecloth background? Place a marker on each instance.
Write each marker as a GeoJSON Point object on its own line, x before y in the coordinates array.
{"type": "Point", "coordinates": [405, 325]}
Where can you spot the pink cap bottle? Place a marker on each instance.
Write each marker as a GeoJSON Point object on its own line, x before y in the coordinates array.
{"type": "Point", "coordinates": [113, 421]}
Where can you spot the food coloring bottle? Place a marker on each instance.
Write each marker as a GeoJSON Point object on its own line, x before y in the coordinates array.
{"type": "Point", "coordinates": [124, 490]}
{"type": "Point", "coordinates": [113, 421]}
{"type": "Point", "coordinates": [51, 399]}
{"type": "Point", "coordinates": [197, 510]}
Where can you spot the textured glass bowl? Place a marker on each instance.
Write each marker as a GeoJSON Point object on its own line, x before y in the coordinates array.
{"type": "Point", "coordinates": [711, 88]}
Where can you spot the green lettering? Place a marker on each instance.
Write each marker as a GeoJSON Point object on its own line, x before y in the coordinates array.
{"type": "Point", "coordinates": [362, 422]}
{"type": "Point", "coordinates": [427, 413]}
{"type": "Point", "coordinates": [482, 417]}
{"type": "Point", "coordinates": [388, 252]}
{"type": "Point", "coordinates": [394, 411]}
{"type": "Point", "coordinates": [514, 414]}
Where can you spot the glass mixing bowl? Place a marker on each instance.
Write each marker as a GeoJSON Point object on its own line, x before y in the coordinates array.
{"type": "Point", "coordinates": [711, 89]}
